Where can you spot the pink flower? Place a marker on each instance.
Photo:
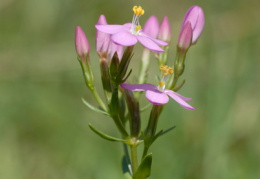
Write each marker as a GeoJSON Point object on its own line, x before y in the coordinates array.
{"type": "Point", "coordinates": [195, 16]}
{"type": "Point", "coordinates": [81, 43]}
{"type": "Point", "coordinates": [157, 97]}
{"type": "Point", "coordinates": [130, 33]}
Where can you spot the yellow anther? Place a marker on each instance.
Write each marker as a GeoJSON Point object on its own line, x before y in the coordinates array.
{"type": "Point", "coordinates": [170, 70]}
{"type": "Point", "coordinates": [137, 28]}
{"type": "Point", "coordinates": [138, 10]}
{"type": "Point", "coordinates": [165, 73]}
{"type": "Point", "coordinates": [161, 83]}
{"type": "Point", "coordinates": [167, 70]}
{"type": "Point", "coordinates": [163, 67]}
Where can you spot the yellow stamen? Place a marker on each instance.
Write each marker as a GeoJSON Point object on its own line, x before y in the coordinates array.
{"type": "Point", "coordinates": [161, 83]}
{"type": "Point", "coordinates": [137, 28]}
{"type": "Point", "coordinates": [138, 10]}
{"type": "Point", "coordinates": [167, 70]}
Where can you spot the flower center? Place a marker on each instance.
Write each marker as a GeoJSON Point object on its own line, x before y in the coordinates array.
{"type": "Point", "coordinates": [166, 71]}
{"type": "Point", "coordinates": [136, 27]}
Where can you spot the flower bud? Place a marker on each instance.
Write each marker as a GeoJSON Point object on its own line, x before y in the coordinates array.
{"type": "Point", "coordinates": [102, 39]}
{"type": "Point", "coordinates": [185, 37]}
{"type": "Point", "coordinates": [195, 16]}
{"type": "Point", "coordinates": [81, 44]}
{"type": "Point", "coordinates": [165, 30]}
{"type": "Point", "coordinates": [151, 27]}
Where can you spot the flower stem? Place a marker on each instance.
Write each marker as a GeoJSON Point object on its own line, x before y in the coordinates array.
{"type": "Point", "coordinates": [134, 158]}
{"type": "Point", "coordinates": [99, 100]}
{"type": "Point", "coordinates": [89, 81]}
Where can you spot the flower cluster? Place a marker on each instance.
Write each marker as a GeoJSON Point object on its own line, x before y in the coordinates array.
{"type": "Point", "coordinates": [114, 46]}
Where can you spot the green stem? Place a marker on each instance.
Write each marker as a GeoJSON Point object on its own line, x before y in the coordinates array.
{"type": "Point", "coordinates": [99, 100]}
{"type": "Point", "coordinates": [89, 81]}
{"type": "Point", "coordinates": [133, 148]}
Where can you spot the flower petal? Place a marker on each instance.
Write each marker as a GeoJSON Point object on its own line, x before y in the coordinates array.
{"type": "Point", "coordinates": [148, 43]}
{"type": "Point", "coordinates": [179, 100]}
{"type": "Point", "coordinates": [124, 38]}
{"type": "Point", "coordinates": [138, 87]}
{"type": "Point", "coordinates": [158, 42]}
{"type": "Point", "coordinates": [110, 29]}
{"type": "Point", "coordinates": [127, 26]}
{"type": "Point", "coordinates": [182, 97]}
{"type": "Point", "coordinates": [156, 97]}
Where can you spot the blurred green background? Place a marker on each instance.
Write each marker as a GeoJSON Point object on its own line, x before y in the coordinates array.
{"type": "Point", "coordinates": [44, 125]}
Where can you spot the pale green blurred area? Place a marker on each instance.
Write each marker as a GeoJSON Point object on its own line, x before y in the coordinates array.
{"type": "Point", "coordinates": [44, 125]}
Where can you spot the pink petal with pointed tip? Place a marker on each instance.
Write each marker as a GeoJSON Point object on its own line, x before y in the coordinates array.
{"type": "Point", "coordinates": [179, 100]}
{"type": "Point", "coordinates": [182, 97]}
{"type": "Point", "coordinates": [156, 97]}
{"type": "Point", "coordinates": [158, 42]}
{"type": "Point", "coordinates": [110, 29]}
{"type": "Point", "coordinates": [138, 87]}
{"type": "Point", "coordinates": [124, 38]}
{"type": "Point", "coordinates": [148, 43]}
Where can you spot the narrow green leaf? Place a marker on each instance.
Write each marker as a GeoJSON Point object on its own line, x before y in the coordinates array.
{"type": "Point", "coordinates": [105, 136]}
{"type": "Point", "coordinates": [144, 170]}
{"type": "Point", "coordinates": [168, 130]}
{"type": "Point", "coordinates": [93, 108]}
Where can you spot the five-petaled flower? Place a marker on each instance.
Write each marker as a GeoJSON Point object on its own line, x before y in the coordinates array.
{"type": "Point", "coordinates": [130, 33]}
{"type": "Point", "coordinates": [158, 95]}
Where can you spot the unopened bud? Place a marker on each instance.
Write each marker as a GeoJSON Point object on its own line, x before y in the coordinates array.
{"type": "Point", "coordinates": [151, 27]}
{"type": "Point", "coordinates": [195, 16]}
{"type": "Point", "coordinates": [185, 37]}
{"type": "Point", "coordinates": [81, 44]}
{"type": "Point", "coordinates": [165, 30]}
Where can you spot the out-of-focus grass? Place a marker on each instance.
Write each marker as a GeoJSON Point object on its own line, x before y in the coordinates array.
{"type": "Point", "coordinates": [44, 125]}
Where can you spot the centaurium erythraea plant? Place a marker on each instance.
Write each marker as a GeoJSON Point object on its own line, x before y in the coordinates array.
{"type": "Point", "coordinates": [114, 46]}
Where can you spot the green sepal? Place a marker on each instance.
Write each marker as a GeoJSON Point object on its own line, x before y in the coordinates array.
{"type": "Point", "coordinates": [93, 108]}
{"type": "Point", "coordinates": [124, 63]}
{"type": "Point", "coordinates": [113, 69]}
{"type": "Point", "coordinates": [105, 136]}
{"type": "Point", "coordinates": [144, 170]}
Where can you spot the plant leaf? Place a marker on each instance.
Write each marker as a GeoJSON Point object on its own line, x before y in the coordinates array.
{"type": "Point", "coordinates": [144, 170]}
{"type": "Point", "coordinates": [168, 130]}
{"type": "Point", "coordinates": [93, 108]}
{"type": "Point", "coordinates": [105, 136]}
